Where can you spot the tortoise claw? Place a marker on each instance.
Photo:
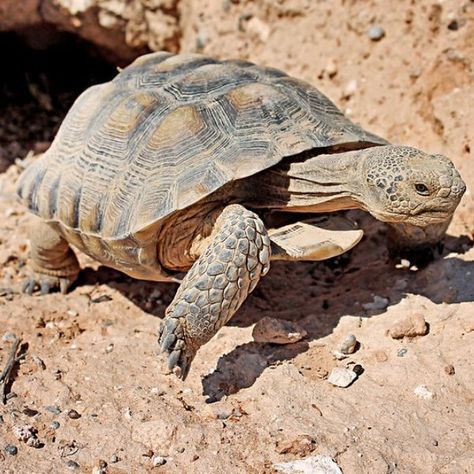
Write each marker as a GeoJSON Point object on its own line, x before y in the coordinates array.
{"type": "Point", "coordinates": [64, 284]}
{"type": "Point", "coordinates": [171, 340]}
{"type": "Point", "coordinates": [46, 284]}
{"type": "Point", "coordinates": [45, 287]}
{"type": "Point", "coordinates": [29, 286]}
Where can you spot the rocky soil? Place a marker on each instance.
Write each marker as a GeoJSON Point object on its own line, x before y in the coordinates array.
{"type": "Point", "coordinates": [89, 393]}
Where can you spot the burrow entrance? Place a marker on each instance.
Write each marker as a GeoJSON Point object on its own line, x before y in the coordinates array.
{"type": "Point", "coordinates": [42, 73]}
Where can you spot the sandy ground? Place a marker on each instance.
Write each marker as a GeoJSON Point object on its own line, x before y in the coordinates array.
{"type": "Point", "coordinates": [248, 406]}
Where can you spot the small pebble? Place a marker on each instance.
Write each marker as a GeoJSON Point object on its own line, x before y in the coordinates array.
{"type": "Point", "coordinates": [277, 331]}
{"type": "Point", "coordinates": [349, 344]}
{"type": "Point", "coordinates": [331, 68]}
{"type": "Point", "coordinates": [34, 442]}
{"type": "Point", "coordinates": [404, 263]}
{"type": "Point", "coordinates": [25, 432]}
{"type": "Point", "coordinates": [434, 442]}
{"type": "Point", "coordinates": [341, 377]}
{"type": "Point", "coordinates": [56, 374]}
{"type": "Point", "coordinates": [9, 337]}
{"type": "Point", "coordinates": [53, 409]}
{"type": "Point", "coordinates": [454, 55]}
{"type": "Point", "coordinates": [73, 414]}
{"type": "Point", "coordinates": [157, 391]}
{"type": "Point", "coordinates": [10, 449]}
{"type": "Point", "coordinates": [423, 392]}
{"type": "Point", "coordinates": [338, 355]}
{"type": "Point", "coordinates": [450, 370]}
{"type": "Point", "coordinates": [114, 459]}
{"type": "Point", "coordinates": [258, 28]}
{"type": "Point", "coordinates": [402, 352]}
{"type": "Point", "coordinates": [381, 356]}
{"type": "Point", "coordinates": [358, 369]}
{"type": "Point", "coordinates": [55, 425]}
{"type": "Point", "coordinates": [378, 303]}
{"type": "Point", "coordinates": [350, 89]}
{"type": "Point", "coordinates": [376, 33]}
{"type": "Point", "coordinates": [158, 461]}
{"type": "Point", "coordinates": [109, 348]}
{"type": "Point", "coordinates": [73, 313]}
{"type": "Point", "coordinates": [72, 465]}
{"type": "Point", "coordinates": [453, 25]}
{"type": "Point", "coordinates": [30, 411]}
{"type": "Point", "coordinates": [412, 326]}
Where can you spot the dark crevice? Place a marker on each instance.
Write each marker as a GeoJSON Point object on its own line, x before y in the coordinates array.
{"type": "Point", "coordinates": [43, 72]}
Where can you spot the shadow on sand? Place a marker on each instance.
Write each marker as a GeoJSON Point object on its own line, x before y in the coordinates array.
{"type": "Point", "coordinates": [316, 295]}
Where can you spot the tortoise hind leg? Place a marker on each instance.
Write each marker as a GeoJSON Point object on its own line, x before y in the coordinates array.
{"type": "Point", "coordinates": [215, 286]}
{"type": "Point", "coordinates": [53, 262]}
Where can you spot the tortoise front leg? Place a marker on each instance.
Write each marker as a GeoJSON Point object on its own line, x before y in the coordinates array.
{"type": "Point", "coordinates": [215, 286]}
{"type": "Point", "coordinates": [52, 260]}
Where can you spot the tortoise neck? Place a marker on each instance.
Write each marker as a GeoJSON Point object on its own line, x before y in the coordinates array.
{"type": "Point", "coordinates": [326, 183]}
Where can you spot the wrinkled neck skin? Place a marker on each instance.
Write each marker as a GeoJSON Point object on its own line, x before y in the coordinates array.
{"type": "Point", "coordinates": [332, 182]}
{"type": "Point", "coordinates": [321, 183]}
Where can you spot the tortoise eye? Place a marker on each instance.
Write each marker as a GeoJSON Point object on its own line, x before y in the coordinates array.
{"type": "Point", "coordinates": [422, 189]}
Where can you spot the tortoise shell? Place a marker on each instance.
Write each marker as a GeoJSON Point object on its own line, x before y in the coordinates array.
{"type": "Point", "coordinates": [169, 130]}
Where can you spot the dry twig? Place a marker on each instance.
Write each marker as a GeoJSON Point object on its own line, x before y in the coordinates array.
{"type": "Point", "coordinates": [5, 375]}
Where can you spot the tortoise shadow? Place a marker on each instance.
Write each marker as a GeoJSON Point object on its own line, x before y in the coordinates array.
{"type": "Point", "coordinates": [314, 294]}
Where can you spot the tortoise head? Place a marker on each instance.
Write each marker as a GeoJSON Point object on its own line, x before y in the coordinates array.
{"type": "Point", "coordinates": [407, 186]}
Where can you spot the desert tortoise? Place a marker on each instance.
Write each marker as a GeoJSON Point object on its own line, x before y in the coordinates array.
{"type": "Point", "coordinates": [176, 164]}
